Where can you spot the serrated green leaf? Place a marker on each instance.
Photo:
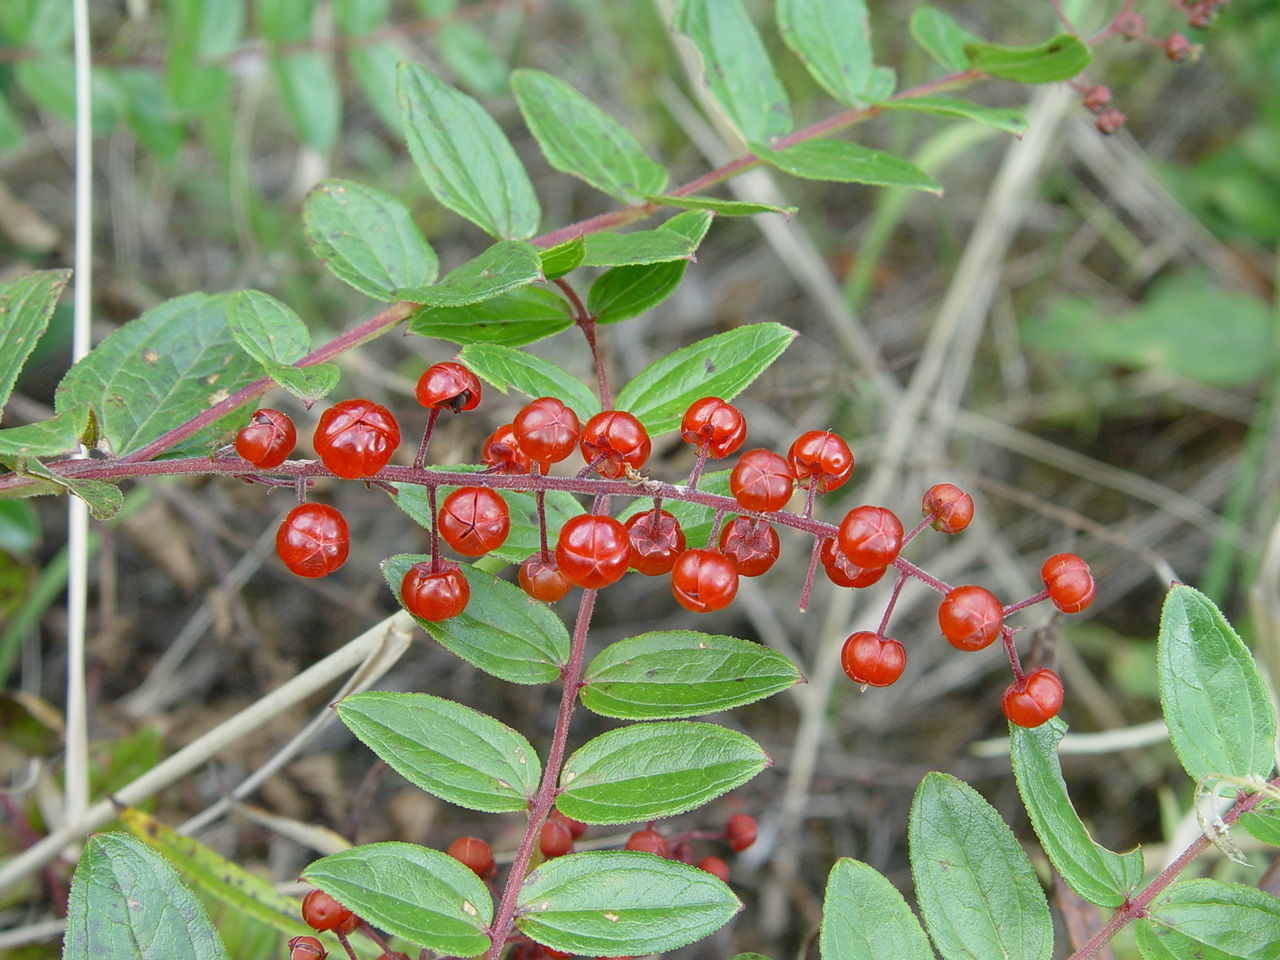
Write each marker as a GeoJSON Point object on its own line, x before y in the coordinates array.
{"type": "Point", "coordinates": [512, 319]}
{"type": "Point", "coordinates": [1091, 870]}
{"type": "Point", "coordinates": [580, 139]}
{"type": "Point", "coordinates": [509, 369]}
{"type": "Point", "coordinates": [1002, 118]}
{"type": "Point", "coordinates": [639, 246]}
{"type": "Point", "coordinates": [504, 266]}
{"type": "Point", "coordinates": [374, 67]}
{"type": "Point", "coordinates": [976, 888]}
{"type": "Point", "coordinates": [1156, 942]}
{"type": "Point", "coordinates": [466, 161]}
{"type": "Point", "coordinates": [724, 208]}
{"type": "Point", "coordinates": [621, 903]}
{"type": "Point", "coordinates": [1060, 58]}
{"type": "Point", "coordinates": [308, 384]}
{"type": "Point", "coordinates": [422, 895]}
{"type": "Point", "coordinates": [368, 239]}
{"type": "Point", "coordinates": [103, 499]}
{"type": "Point", "coordinates": [843, 162]}
{"type": "Point", "coordinates": [624, 292]}
{"type": "Point", "coordinates": [44, 438]}
{"type": "Point", "coordinates": [473, 59]}
{"type": "Point", "coordinates": [942, 38]}
{"type": "Point", "coordinates": [833, 40]}
{"type": "Point", "coordinates": [1263, 823]}
{"type": "Point", "coordinates": [737, 68]}
{"type": "Point", "coordinates": [563, 257]}
{"type": "Point", "coordinates": [865, 918]}
{"type": "Point", "coordinates": [720, 366]}
{"type": "Point", "coordinates": [1220, 717]}
{"type": "Point", "coordinates": [309, 90]}
{"type": "Point", "coordinates": [1239, 920]}
{"type": "Point", "coordinates": [502, 631]}
{"type": "Point", "coordinates": [454, 752]}
{"type": "Point", "coordinates": [266, 329]}
{"type": "Point", "coordinates": [128, 904]}
{"type": "Point", "coordinates": [651, 770]}
{"type": "Point", "coordinates": [26, 304]}
{"type": "Point", "coordinates": [681, 673]}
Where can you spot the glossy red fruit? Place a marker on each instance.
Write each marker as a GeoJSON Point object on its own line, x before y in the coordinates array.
{"type": "Point", "coordinates": [321, 912]}
{"type": "Point", "coordinates": [740, 831]}
{"type": "Point", "coordinates": [434, 596]}
{"type": "Point", "coordinates": [761, 481]}
{"type": "Point", "coordinates": [870, 537]}
{"type": "Point", "coordinates": [1037, 700]}
{"type": "Point", "coordinates": [716, 867]}
{"type": "Point", "coordinates": [356, 438]}
{"type": "Point", "coordinates": [306, 948]}
{"type": "Point", "coordinates": [842, 572]}
{"type": "Point", "coordinates": [751, 544]}
{"type": "Point", "coordinates": [555, 840]}
{"type": "Point", "coordinates": [719, 425]}
{"type": "Point", "coordinates": [619, 438]}
{"type": "Point", "coordinates": [655, 542]}
{"type": "Point", "coordinates": [503, 454]}
{"type": "Point", "coordinates": [267, 439]}
{"type": "Point", "coordinates": [820, 456]}
{"type": "Point", "coordinates": [970, 617]}
{"type": "Point", "coordinates": [1069, 582]}
{"type": "Point", "coordinates": [648, 841]}
{"type": "Point", "coordinates": [592, 552]}
{"type": "Point", "coordinates": [542, 579]}
{"type": "Point", "coordinates": [474, 520]}
{"type": "Point", "coordinates": [949, 506]}
{"type": "Point", "coordinates": [576, 827]}
{"type": "Point", "coordinates": [871, 660]}
{"type": "Point", "coordinates": [546, 430]}
{"type": "Point", "coordinates": [449, 386]}
{"type": "Point", "coordinates": [313, 540]}
{"type": "Point", "coordinates": [704, 580]}
{"type": "Point", "coordinates": [475, 854]}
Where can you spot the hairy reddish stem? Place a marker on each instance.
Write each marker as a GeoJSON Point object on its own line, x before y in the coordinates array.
{"type": "Point", "coordinates": [893, 602]}
{"type": "Point", "coordinates": [1023, 604]}
{"type": "Point", "coordinates": [587, 324]}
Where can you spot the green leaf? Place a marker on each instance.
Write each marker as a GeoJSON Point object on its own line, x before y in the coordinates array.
{"type": "Point", "coordinates": [630, 291]}
{"type": "Point", "coordinates": [374, 66]}
{"type": "Point", "coordinates": [1239, 920]}
{"type": "Point", "coordinates": [43, 25]}
{"type": "Point", "coordinates": [724, 208]}
{"type": "Point", "coordinates": [942, 38]}
{"type": "Point", "coordinates": [681, 673]}
{"type": "Point", "coordinates": [357, 17]}
{"type": "Point", "coordinates": [456, 753]}
{"type": "Point", "coordinates": [275, 336]}
{"type": "Point", "coordinates": [509, 369]}
{"type": "Point", "coordinates": [26, 304]}
{"type": "Point", "coordinates": [975, 886]}
{"type": "Point", "coordinates": [720, 366]}
{"type": "Point", "coordinates": [19, 527]}
{"type": "Point", "coordinates": [467, 163]}
{"type": "Point", "coordinates": [103, 499]}
{"type": "Point", "coordinates": [1263, 823]}
{"type": "Point", "coordinates": [158, 371]}
{"type": "Point", "coordinates": [640, 246]}
{"type": "Point", "coordinates": [1091, 870]}
{"type": "Point", "coordinates": [511, 319]}
{"type": "Point", "coordinates": [311, 96]}
{"type": "Point", "coordinates": [505, 266]}
{"type": "Point", "coordinates": [651, 770]}
{"type": "Point", "coordinates": [1060, 58]}
{"type": "Point", "coordinates": [833, 40]}
{"type": "Point", "coordinates": [128, 904]}
{"type": "Point", "coordinates": [422, 895]}
{"type": "Point", "coordinates": [881, 85]}
{"type": "Point", "coordinates": [865, 918]}
{"type": "Point", "coordinates": [44, 438]}
{"type": "Point", "coordinates": [1007, 119]}
{"type": "Point", "coordinates": [502, 631]}
{"type": "Point", "coordinates": [368, 239]}
{"type": "Point", "coordinates": [844, 162]}
{"type": "Point", "coordinates": [472, 58]}
{"type": "Point", "coordinates": [284, 21]}
{"type": "Point", "coordinates": [736, 67]}
{"type": "Point", "coordinates": [578, 138]}
{"type": "Point", "coordinates": [563, 257]}
{"type": "Point", "coordinates": [1221, 720]}
{"type": "Point", "coordinates": [154, 118]}
{"type": "Point", "coordinates": [199, 32]}
{"type": "Point", "coordinates": [1162, 943]}
{"type": "Point", "coordinates": [621, 903]}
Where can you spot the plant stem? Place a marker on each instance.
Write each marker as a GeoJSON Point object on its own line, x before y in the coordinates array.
{"type": "Point", "coordinates": [893, 602]}
{"type": "Point", "coordinates": [1022, 604]}
{"type": "Point", "coordinates": [421, 458]}
{"type": "Point", "coordinates": [587, 324]}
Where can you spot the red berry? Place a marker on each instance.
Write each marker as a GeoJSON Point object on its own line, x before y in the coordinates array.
{"type": "Point", "coordinates": [449, 386]}
{"type": "Point", "coordinates": [555, 954]}
{"type": "Point", "coordinates": [619, 438]}
{"type": "Point", "coordinates": [555, 840]}
{"type": "Point", "coordinates": [740, 831]}
{"type": "Point", "coordinates": [593, 551]}
{"type": "Point", "coordinates": [870, 537]}
{"type": "Point", "coordinates": [751, 544]}
{"type": "Point", "coordinates": [1097, 97]}
{"type": "Point", "coordinates": [474, 520]}
{"type": "Point", "coordinates": [434, 596]}
{"type": "Point", "coordinates": [306, 948]}
{"type": "Point", "coordinates": [761, 481]}
{"type": "Point", "coordinates": [475, 854]}
{"type": "Point", "coordinates": [949, 507]}
{"type": "Point", "coordinates": [716, 867]}
{"type": "Point", "coordinates": [822, 456]}
{"type": "Point", "coordinates": [356, 438]}
{"type": "Point", "coordinates": [844, 573]}
{"type": "Point", "coordinates": [704, 580]}
{"type": "Point", "coordinates": [542, 579]}
{"type": "Point", "coordinates": [872, 660]}
{"type": "Point", "coordinates": [1069, 582]}
{"type": "Point", "coordinates": [313, 540]}
{"type": "Point", "coordinates": [267, 439]}
{"type": "Point", "coordinates": [970, 617]}
{"type": "Point", "coordinates": [576, 827]}
{"type": "Point", "coordinates": [1177, 47]}
{"type": "Point", "coordinates": [682, 852]}
{"type": "Point", "coordinates": [648, 841]}
{"type": "Point", "coordinates": [546, 430]}
{"type": "Point", "coordinates": [503, 454]}
{"type": "Point", "coordinates": [1039, 699]}
{"type": "Point", "coordinates": [655, 542]}
{"type": "Point", "coordinates": [321, 912]}
{"type": "Point", "coordinates": [719, 425]}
